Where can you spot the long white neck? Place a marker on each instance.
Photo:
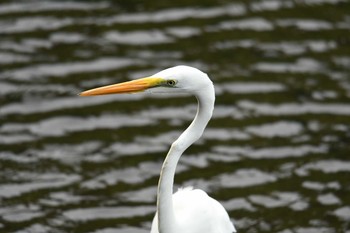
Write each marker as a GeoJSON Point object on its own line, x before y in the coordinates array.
{"type": "Point", "coordinates": [166, 216]}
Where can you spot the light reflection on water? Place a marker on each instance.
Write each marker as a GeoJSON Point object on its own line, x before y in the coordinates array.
{"type": "Point", "coordinates": [275, 153]}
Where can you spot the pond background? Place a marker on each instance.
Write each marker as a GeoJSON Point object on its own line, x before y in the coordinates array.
{"type": "Point", "coordinates": [276, 153]}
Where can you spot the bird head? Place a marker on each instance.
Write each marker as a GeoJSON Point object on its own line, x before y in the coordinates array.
{"type": "Point", "coordinates": [178, 79]}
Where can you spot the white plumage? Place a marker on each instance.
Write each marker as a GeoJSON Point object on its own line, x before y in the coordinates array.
{"type": "Point", "coordinates": [204, 215]}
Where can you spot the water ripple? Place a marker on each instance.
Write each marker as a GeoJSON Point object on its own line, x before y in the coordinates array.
{"type": "Point", "coordinates": [30, 24]}
{"type": "Point", "coordinates": [24, 7]}
{"type": "Point", "coordinates": [256, 24]}
{"type": "Point", "coordinates": [302, 65]}
{"type": "Point", "coordinates": [47, 181]}
{"type": "Point", "coordinates": [276, 199]}
{"type": "Point", "coordinates": [138, 37]}
{"type": "Point", "coordinates": [272, 153]}
{"type": "Point", "coordinates": [88, 214]}
{"type": "Point", "coordinates": [276, 129]}
{"type": "Point", "coordinates": [245, 178]}
{"type": "Point", "coordinates": [64, 69]}
{"type": "Point", "coordinates": [178, 14]}
{"type": "Point", "coordinates": [297, 109]}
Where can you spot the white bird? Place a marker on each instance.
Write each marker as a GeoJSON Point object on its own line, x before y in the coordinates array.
{"type": "Point", "coordinates": [188, 210]}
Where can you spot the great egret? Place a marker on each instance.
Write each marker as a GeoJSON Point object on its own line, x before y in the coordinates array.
{"type": "Point", "coordinates": [188, 210]}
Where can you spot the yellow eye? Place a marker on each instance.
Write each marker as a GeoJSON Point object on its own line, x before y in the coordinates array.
{"type": "Point", "coordinates": [171, 82]}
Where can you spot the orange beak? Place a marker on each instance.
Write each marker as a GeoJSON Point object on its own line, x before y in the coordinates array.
{"type": "Point", "coordinates": [133, 86]}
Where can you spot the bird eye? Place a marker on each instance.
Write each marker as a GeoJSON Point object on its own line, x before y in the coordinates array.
{"type": "Point", "coordinates": [171, 82]}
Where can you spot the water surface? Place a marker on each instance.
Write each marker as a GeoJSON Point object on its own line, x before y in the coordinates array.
{"type": "Point", "coordinates": [276, 153]}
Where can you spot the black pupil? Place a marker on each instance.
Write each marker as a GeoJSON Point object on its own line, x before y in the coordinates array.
{"type": "Point", "coordinates": [171, 82]}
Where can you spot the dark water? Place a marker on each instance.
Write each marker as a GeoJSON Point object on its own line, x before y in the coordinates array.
{"type": "Point", "coordinates": [276, 153]}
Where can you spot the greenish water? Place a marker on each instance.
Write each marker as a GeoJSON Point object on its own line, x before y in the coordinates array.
{"type": "Point", "coordinates": [276, 153]}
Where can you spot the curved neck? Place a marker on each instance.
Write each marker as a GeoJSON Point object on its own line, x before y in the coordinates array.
{"type": "Point", "coordinates": [166, 216]}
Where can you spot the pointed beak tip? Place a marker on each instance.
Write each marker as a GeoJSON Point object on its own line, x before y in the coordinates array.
{"type": "Point", "coordinates": [88, 93]}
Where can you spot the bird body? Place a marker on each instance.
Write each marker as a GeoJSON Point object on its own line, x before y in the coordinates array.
{"type": "Point", "coordinates": [188, 210]}
{"type": "Point", "coordinates": [204, 215]}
